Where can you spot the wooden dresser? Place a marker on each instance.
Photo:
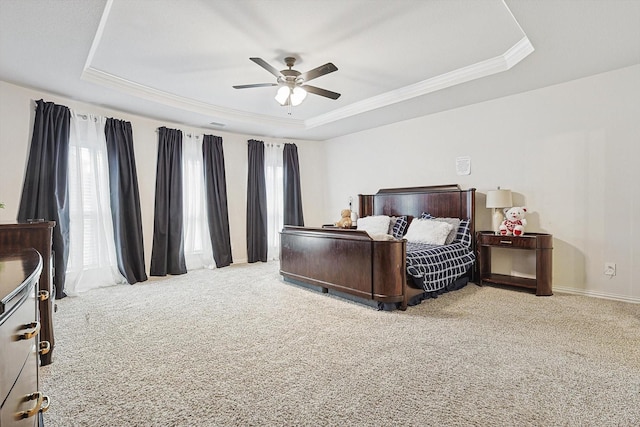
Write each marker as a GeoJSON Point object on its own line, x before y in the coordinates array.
{"type": "Point", "coordinates": [37, 235]}
{"type": "Point", "coordinates": [20, 398]}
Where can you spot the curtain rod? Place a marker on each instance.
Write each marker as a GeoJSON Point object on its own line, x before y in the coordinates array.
{"type": "Point", "coordinates": [186, 134]}
{"type": "Point", "coordinates": [86, 117]}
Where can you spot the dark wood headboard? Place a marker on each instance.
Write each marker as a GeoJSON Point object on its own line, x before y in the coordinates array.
{"type": "Point", "coordinates": [440, 201]}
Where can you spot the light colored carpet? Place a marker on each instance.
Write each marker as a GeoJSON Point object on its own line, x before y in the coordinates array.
{"type": "Point", "coordinates": [240, 347]}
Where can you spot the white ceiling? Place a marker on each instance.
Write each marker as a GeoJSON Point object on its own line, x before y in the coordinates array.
{"type": "Point", "coordinates": [178, 60]}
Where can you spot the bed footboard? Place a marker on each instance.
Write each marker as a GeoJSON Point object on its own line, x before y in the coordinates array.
{"type": "Point", "coordinates": [347, 261]}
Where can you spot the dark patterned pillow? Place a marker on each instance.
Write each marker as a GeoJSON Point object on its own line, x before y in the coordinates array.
{"type": "Point", "coordinates": [425, 215]}
{"type": "Point", "coordinates": [400, 227]}
{"type": "Point", "coordinates": [464, 233]}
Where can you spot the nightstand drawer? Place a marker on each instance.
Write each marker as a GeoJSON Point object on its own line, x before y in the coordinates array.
{"type": "Point", "coordinates": [522, 242]}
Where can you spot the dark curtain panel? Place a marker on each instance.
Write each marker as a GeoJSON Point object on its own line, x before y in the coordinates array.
{"type": "Point", "coordinates": [215, 183]}
{"type": "Point", "coordinates": [46, 185]}
{"type": "Point", "coordinates": [256, 204]}
{"type": "Point", "coordinates": [292, 191]}
{"type": "Point", "coordinates": [167, 254]}
{"type": "Point", "coordinates": [125, 200]}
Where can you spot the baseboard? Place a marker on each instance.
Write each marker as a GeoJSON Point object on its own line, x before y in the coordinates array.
{"type": "Point", "coordinates": [596, 294]}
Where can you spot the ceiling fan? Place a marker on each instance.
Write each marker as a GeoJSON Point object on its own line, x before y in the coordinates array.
{"type": "Point", "coordinates": [293, 88]}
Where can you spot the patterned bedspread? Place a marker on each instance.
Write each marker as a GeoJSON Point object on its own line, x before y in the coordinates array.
{"type": "Point", "coordinates": [435, 267]}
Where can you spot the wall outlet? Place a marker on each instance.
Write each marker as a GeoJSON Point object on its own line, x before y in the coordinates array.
{"type": "Point", "coordinates": [610, 269]}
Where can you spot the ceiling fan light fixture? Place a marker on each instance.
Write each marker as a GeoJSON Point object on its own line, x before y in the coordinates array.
{"type": "Point", "coordinates": [298, 95]}
{"type": "Point", "coordinates": [282, 95]}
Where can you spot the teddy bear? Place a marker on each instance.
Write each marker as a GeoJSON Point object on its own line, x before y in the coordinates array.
{"type": "Point", "coordinates": [345, 220]}
{"type": "Point", "coordinates": [514, 221]}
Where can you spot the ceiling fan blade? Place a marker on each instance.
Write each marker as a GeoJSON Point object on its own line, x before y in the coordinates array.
{"type": "Point", "coordinates": [261, 62]}
{"type": "Point", "coordinates": [321, 92]}
{"type": "Point", "coordinates": [319, 71]}
{"type": "Point", "coordinates": [255, 85]}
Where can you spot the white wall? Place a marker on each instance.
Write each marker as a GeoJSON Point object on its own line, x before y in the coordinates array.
{"type": "Point", "coordinates": [16, 125]}
{"type": "Point", "coordinates": [569, 152]}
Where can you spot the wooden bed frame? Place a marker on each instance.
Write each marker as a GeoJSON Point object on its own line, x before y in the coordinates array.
{"type": "Point", "coordinates": [351, 262]}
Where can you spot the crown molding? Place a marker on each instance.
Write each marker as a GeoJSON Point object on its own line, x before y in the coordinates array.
{"type": "Point", "coordinates": [481, 69]}
{"type": "Point", "coordinates": [138, 90]}
{"type": "Point", "coordinates": [518, 52]}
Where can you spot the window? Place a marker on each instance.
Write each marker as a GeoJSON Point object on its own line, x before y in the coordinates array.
{"type": "Point", "coordinates": [197, 241]}
{"type": "Point", "coordinates": [92, 256]}
{"type": "Point", "coordinates": [274, 182]}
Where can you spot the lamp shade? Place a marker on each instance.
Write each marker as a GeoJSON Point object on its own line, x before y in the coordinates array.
{"type": "Point", "coordinates": [499, 199]}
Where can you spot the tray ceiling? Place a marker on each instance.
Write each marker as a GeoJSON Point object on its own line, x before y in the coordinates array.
{"type": "Point", "coordinates": [178, 61]}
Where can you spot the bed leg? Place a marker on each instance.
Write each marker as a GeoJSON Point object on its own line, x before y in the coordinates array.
{"type": "Point", "coordinates": [405, 299]}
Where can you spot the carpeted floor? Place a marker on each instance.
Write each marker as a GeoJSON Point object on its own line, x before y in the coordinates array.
{"type": "Point", "coordinates": [239, 347]}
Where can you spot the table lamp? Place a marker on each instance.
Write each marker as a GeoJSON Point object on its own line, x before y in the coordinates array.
{"type": "Point", "coordinates": [498, 199]}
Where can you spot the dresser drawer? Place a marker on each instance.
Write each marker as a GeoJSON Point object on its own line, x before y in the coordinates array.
{"type": "Point", "coordinates": [521, 242]}
{"type": "Point", "coordinates": [18, 337]}
{"type": "Point", "coordinates": [24, 403]}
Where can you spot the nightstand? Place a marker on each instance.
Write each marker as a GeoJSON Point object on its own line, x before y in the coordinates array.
{"type": "Point", "coordinates": [541, 243]}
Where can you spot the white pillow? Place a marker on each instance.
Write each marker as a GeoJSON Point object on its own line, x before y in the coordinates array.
{"type": "Point", "coordinates": [455, 223]}
{"type": "Point", "coordinates": [428, 231]}
{"type": "Point", "coordinates": [377, 224]}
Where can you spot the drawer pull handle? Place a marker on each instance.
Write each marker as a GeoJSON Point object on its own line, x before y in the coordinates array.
{"type": "Point", "coordinates": [45, 403]}
{"type": "Point", "coordinates": [506, 242]}
{"type": "Point", "coordinates": [41, 405]}
{"type": "Point", "coordinates": [43, 295]}
{"type": "Point", "coordinates": [45, 347]}
{"type": "Point", "coordinates": [34, 328]}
